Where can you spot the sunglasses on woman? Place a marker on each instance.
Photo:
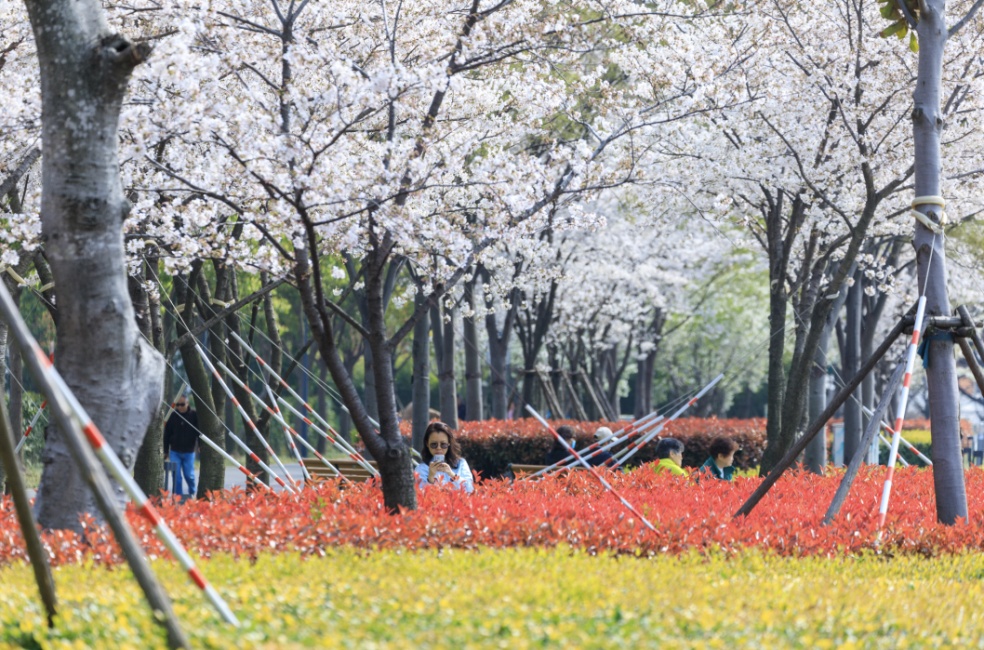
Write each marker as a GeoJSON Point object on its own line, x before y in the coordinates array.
{"type": "Point", "coordinates": [438, 445]}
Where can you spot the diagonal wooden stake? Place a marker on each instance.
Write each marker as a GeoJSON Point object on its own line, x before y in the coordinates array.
{"type": "Point", "coordinates": [874, 424]}
{"type": "Point", "coordinates": [821, 421]}
{"type": "Point", "coordinates": [18, 490]}
{"type": "Point", "coordinates": [95, 477]}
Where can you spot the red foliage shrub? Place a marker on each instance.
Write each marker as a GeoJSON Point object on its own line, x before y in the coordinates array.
{"type": "Point", "coordinates": [573, 510]}
{"type": "Point", "coordinates": [490, 445]}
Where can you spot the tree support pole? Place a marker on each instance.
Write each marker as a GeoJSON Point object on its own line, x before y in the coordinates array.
{"type": "Point", "coordinates": [975, 336]}
{"type": "Point", "coordinates": [821, 420]}
{"type": "Point", "coordinates": [94, 477]}
{"type": "Point", "coordinates": [35, 551]}
{"type": "Point", "coordinates": [971, 358]}
{"type": "Point", "coordinates": [874, 424]}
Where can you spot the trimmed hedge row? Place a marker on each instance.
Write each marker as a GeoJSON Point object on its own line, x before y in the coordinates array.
{"type": "Point", "coordinates": [491, 445]}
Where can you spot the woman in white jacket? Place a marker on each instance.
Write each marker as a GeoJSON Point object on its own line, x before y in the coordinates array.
{"type": "Point", "coordinates": [442, 461]}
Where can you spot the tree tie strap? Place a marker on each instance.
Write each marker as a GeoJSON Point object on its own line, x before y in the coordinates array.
{"type": "Point", "coordinates": [13, 274]}
{"type": "Point", "coordinates": [923, 349]}
{"type": "Point", "coordinates": [923, 218]}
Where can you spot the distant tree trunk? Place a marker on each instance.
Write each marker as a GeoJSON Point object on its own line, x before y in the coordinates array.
{"type": "Point", "coordinates": [850, 366]}
{"type": "Point", "coordinates": [941, 374]}
{"type": "Point", "coordinates": [212, 470]}
{"type": "Point", "coordinates": [474, 408]}
{"type": "Point", "coordinates": [442, 325]}
{"type": "Point", "coordinates": [115, 374]}
{"type": "Point", "coordinates": [421, 374]}
{"type": "Point", "coordinates": [148, 469]}
{"type": "Point", "coordinates": [646, 364]}
{"type": "Point", "coordinates": [499, 360]}
{"type": "Point", "coordinates": [532, 330]}
{"type": "Point", "coordinates": [815, 456]}
{"type": "Point", "coordinates": [778, 264]}
{"type": "Point", "coordinates": [323, 407]}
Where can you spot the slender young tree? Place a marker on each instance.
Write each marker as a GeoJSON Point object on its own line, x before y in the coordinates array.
{"type": "Point", "coordinates": [929, 23]}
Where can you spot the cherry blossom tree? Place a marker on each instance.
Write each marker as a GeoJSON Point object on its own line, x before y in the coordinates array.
{"type": "Point", "coordinates": [821, 166]}
{"type": "Point", "coordinates": [408, 135]}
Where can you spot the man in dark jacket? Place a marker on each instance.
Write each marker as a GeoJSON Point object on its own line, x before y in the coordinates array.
{"type": "Point", "coordinates": [180, 441]}
{"type": "Point", "coordinates": [558, 452]}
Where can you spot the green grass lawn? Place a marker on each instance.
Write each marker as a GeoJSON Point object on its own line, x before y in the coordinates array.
{"type": "Point", "coordinates": [520, 598]}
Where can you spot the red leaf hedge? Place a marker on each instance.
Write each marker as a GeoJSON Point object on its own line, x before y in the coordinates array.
{"type": "Point", "coordinates": [572, 510]}
{"type": "Point", "coordinates": [490, 446]}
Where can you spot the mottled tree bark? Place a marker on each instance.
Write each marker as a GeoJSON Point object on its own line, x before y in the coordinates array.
{"type": "Point", "coordinates": [116, 375]}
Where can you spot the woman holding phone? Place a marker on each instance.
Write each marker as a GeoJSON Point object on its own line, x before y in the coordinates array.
{"type": "Point", "coordinates": [442, 461]}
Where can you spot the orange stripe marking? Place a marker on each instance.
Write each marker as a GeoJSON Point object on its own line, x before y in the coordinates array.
{"type": "Point", "coordinates": [197, 577]}
{"type": "Point", "coordinates": [150, 513]}
{"type": "Point", "coordinates": [92, 433]}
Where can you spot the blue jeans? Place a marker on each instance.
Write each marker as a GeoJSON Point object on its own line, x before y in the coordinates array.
{"type": "Point", "coordinates": [184, 464]}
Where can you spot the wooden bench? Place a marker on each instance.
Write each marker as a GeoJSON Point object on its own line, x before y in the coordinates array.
{"type": "Point", "coordinates": [349, 468]}
{"type": "Point", "coordinates": [520, 470]}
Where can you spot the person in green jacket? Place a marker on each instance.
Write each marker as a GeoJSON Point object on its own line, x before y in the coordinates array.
{"type": "Point", "coordinates": [721, 463]}
{"type": "Point", "coordinates": [669, 451]}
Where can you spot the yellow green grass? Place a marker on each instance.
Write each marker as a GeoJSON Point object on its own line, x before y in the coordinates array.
{"type": "Point", "coordinates": [522, 598]}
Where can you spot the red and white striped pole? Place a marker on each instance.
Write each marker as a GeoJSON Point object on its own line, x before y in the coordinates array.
{"type": "Point", "coordinates": [30, 427]}
{"type": "Point", "coordinates": [632, 431]}
{"type": "Point", "coordinates": [594, 471]}
{"type": "Point", "coordinates": [143, 506]}
{"type": "Point", "coordinates": [256, 430]}
{"type": "Point", "coordinates": [222, 452]}
{"type": "Point", "coordinates": [340, 442]}
{"type": "Point", "coordinates": [634, 447]}
{"type": "Point", "coordinates": [893, 452]}
{"type": "Point", "coordinates": [908, 445]}
{"type": "Point", "coordinates": [290, 442]}
{"type": "Point", "coordinates": [232, 398]}
{"type": "Point", "coordinates": [888, 443]}
{"type": "Point", "coordinates": [287, 428]}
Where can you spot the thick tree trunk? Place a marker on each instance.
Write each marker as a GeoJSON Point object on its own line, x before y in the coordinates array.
{"type": "Point", "coordinates": [941, 375]}
{"type": "Point", "coordinates": [851, 363]}
{"type": "Point", "coordinates": [115, 374]}
{"type": "Point", "coordinates": [421, 374]}
{"type": "Point", "coordinates": [393, 455]}
{"type": "Point", "coordinates": [474, 408]}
